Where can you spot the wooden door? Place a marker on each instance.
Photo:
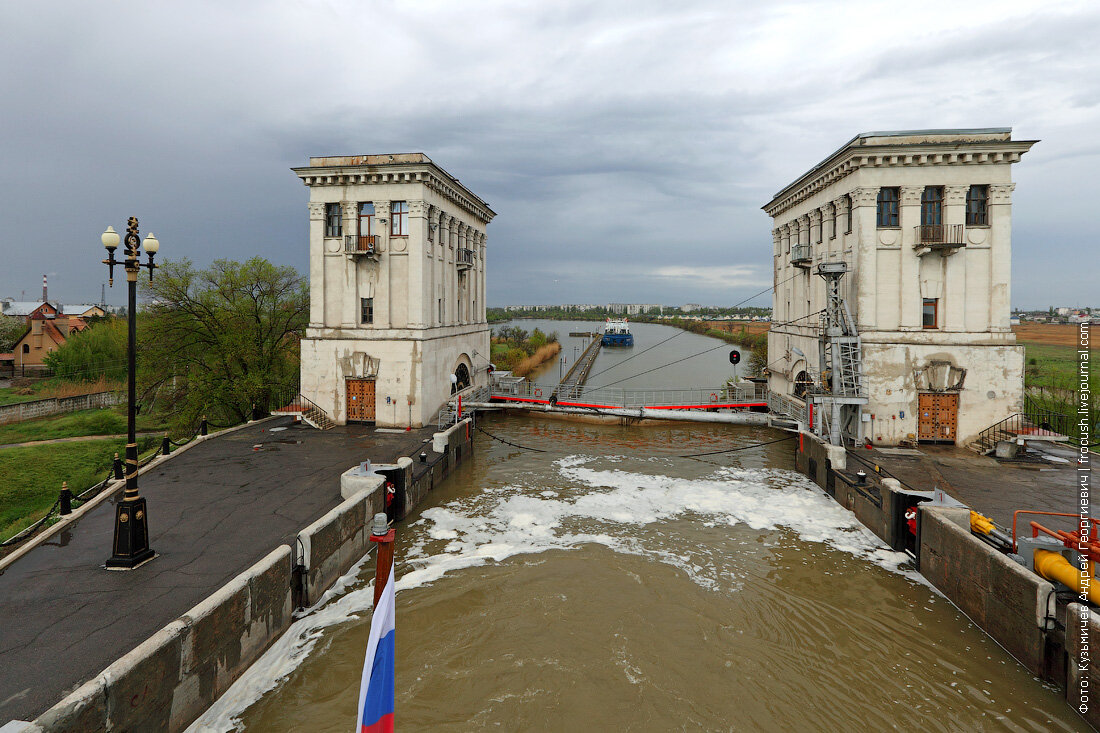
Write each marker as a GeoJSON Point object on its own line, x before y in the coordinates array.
{"type": "Point", "coordinates": [360, 400]}
{"type": "Point", "coordinates": [937, 416]}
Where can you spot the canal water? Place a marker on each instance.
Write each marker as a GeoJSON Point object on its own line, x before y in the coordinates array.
{"type": "Point", "coordinates": [662, 356]}
{"type": "Point", "coordinates": [598, 579]}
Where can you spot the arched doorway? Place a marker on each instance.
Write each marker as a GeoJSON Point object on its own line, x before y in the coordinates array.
{"type": "Point", "coordinates": [462, 381]}
{"type": "Point", "coordinates": [802, 384]}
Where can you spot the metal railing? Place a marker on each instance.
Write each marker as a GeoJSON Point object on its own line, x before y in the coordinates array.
{"type": "Point", "coordinates": [362, 244]}
{"type": "Point", "coordinates": [698, 398]}
{"type": "Point", "coordinates": [782, 404]}
{"type": "Point", "coordinates": [464, 257]}
{"type": "Point", "coordinates": [801, 253]}
{"type": "Point", "coordinates": [940, 235]}
{"type": "Point", "coordinates": [1033, 422]}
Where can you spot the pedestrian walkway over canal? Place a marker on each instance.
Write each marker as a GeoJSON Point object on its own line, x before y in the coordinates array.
{"type": "Point", "coordinates": [214, 511]}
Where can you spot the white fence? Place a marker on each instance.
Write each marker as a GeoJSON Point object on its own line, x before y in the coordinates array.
{"type": "Point", "coordinates": [56, 405]}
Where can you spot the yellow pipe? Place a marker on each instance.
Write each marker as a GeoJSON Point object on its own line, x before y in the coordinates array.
{"type": "Point", "coordinates": [980, 524]}
{"type": "Point", "coordinates": [1052, 566]}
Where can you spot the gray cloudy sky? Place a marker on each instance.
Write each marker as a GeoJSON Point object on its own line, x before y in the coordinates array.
{"type": "Point", "coordinates": [626, 146]}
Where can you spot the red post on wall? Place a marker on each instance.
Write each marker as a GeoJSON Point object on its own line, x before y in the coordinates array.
{"type": "Point", "coordinates": [384, 536]}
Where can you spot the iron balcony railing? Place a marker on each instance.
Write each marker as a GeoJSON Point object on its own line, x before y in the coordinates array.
{"type": "Point", "coordinates": [464, 258]}
{"type": "Point", "coordinates": [801, 255]}
{"type": "Point", "coordinates": [939, 235]}
{"type": "Point", "coordinates": [361, 244]}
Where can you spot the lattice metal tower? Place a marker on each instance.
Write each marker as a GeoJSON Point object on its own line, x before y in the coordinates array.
{"type": "Point", "coordinates": [840, 393]}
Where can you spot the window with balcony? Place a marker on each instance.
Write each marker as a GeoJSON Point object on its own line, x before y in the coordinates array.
{"type": "Point", "coordinates": [399, 219]}
{"type": "Point", "coordinates": [977, 206]}
{"type": "Point", "coordinates": [366, 219]}
{"type": "Point", "coordinates": [366, 310]}
{"type": "Point", "coordinates": [888, 207]}
{"type": "Point", "coordinates": [930, 313]}
{"type": "Point", "coordinates": [931, 206]}
{"type": "Point", "coordinates": [333, 222]}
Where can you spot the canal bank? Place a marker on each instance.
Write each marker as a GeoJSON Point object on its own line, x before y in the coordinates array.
{"type": "Point", "coordinates": [1044, 625]}
{"type": "Point", "coordinates": [198, 619]}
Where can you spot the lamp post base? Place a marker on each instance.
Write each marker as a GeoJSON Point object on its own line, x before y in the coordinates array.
{"type": "Point", "coordinates": [131, 546]}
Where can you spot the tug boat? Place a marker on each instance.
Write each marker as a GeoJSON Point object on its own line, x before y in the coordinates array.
{"type": "Point", "coordinates": [617, 333]}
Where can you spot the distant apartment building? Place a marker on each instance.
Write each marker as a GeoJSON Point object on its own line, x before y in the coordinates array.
{"type": "Point", "coordinates": [923, 220]}
{"type": "Point", "coordinates": [397, 251]}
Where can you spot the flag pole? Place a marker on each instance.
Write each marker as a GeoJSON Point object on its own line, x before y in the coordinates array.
{"type": "Point", "coordinates": [381, 533]}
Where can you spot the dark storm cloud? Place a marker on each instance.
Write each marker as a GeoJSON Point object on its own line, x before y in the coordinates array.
{"type": "Point", "coordinates": [627, 147]}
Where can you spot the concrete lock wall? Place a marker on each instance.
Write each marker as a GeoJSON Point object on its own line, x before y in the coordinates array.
{"type": "Point", "coordinates": [1083, 672]}
{"type": "Point", "coordinates": [55, 405]}
{"type": "Point", "coordinates": [332, 544]}
{"type": "Point", "coordinates": [172, 677]}
{"type": "Point", "coordinates": [1009, 602]}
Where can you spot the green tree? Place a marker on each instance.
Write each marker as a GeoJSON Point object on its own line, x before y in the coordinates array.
{"type": "Point", "coordinates": [222, 339]}
{"type": "Point", "coordinates": [97, 351]}
{"type": "Point", "coordinates": [11, 328]}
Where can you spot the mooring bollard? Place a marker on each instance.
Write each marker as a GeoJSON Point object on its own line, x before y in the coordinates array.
{"type": "Point", "coordinates": [166, 445]}
{"type": "Point", "coordinates": [423, 457]}
{"type": "Point", "coordinates": [381, 533]}
{"type": "Point", "coordinates": [861, 477]}
{"type": "Point", "coordinates": [66, 499]}
{"type": "Point", "coordinates": [118, 467]}
{"type": "Point", "coordinates": [203, 429]}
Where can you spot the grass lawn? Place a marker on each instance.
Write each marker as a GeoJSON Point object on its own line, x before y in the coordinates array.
{"type": "Point", "coordinates": [107, 421]}
{"type": "Point", "coordinates": [1054, 367]}
{"type": "Point", "coordinates": [8, 396]}
{"type": "Point", "coordinates": [30, 478]}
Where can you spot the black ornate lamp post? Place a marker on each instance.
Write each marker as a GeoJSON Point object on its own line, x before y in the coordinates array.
{"type": "Point", "coordinates": [131, 542]}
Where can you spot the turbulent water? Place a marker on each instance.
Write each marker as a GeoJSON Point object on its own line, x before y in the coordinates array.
{"type": "Point", "coordinates": [610, 584]}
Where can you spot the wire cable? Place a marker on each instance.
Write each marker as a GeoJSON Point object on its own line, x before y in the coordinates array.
{"type": "Point", "coordinates": [684, 455]}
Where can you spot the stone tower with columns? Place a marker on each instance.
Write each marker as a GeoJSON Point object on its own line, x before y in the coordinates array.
{"type": "Point", "coordinates": [923, 220]}
{"type": "Point", "coordinates": [397, 288]}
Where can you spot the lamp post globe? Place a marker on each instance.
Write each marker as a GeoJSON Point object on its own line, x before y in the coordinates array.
{"type": "Point", "coordinates": [110, 239]}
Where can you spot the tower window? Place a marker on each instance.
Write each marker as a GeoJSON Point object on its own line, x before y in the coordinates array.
{"type": "Point", "coordinates": [930, 313]}
{"type": "Point", "coordinates": [366, 310]}
{"type": "Point", "coordinates": [931, 206]}
{"type": "Point", "coordinates": [399, 219]}
{"type": "Point", "coordinates": [366, 219]}
{"type": "Point", "coordinates": [333, 224]}
{"type": "Point", "coordinates": [977, 203]}
{"type": "Point", "coordinates": [888, 207]}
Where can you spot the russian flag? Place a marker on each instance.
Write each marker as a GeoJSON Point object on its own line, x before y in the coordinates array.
{"type": "Point", "coordinates": [376, 690]}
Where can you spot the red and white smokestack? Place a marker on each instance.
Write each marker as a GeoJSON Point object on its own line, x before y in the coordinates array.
{"type": "Point", "coordinates": [44, 298]}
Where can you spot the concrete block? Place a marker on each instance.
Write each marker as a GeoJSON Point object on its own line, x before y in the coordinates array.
{"type": "Point", "coordinates": [355, 481]}
{"type": "Point", "coordinates": [82, 710]}
{"type": "Point", "coordinates": [1083, 677]}
{"type": "Point", "coordinates": [440, 441]}
{"type": "Point", "coordinates": [141, 685]}
{"type": "Point", "coordinates": [269, 590]}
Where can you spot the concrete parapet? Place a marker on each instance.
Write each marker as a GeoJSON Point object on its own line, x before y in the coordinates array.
{"type": "Point", "coordinates": [332, 544]}
{"type": "Point", "coordinates": [356, 481]}
{"type": "Point", "coordinates": [1083, 671]}
{"type": "Point", "coordinates": [440, 441]}
{"type": "Point", "coordinates": [171, 677]}
{"type": "Point", "coordinates": [1012, 604]}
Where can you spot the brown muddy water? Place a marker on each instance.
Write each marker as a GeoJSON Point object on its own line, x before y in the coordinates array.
{"type": "Point", "coordinates": [607, 584]}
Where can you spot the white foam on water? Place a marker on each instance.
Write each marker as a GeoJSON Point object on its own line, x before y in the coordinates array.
{"type": "Point", "coordinates": [503, 522]}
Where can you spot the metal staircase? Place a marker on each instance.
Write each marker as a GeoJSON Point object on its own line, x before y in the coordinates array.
{"type": "Point", "coordinates": [310, 413]}
{"type": "Point", "coordinates": [840, 392]}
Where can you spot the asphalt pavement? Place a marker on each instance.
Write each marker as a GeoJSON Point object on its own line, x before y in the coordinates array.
{"type": "Point", "coordinates": [214, 511]}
